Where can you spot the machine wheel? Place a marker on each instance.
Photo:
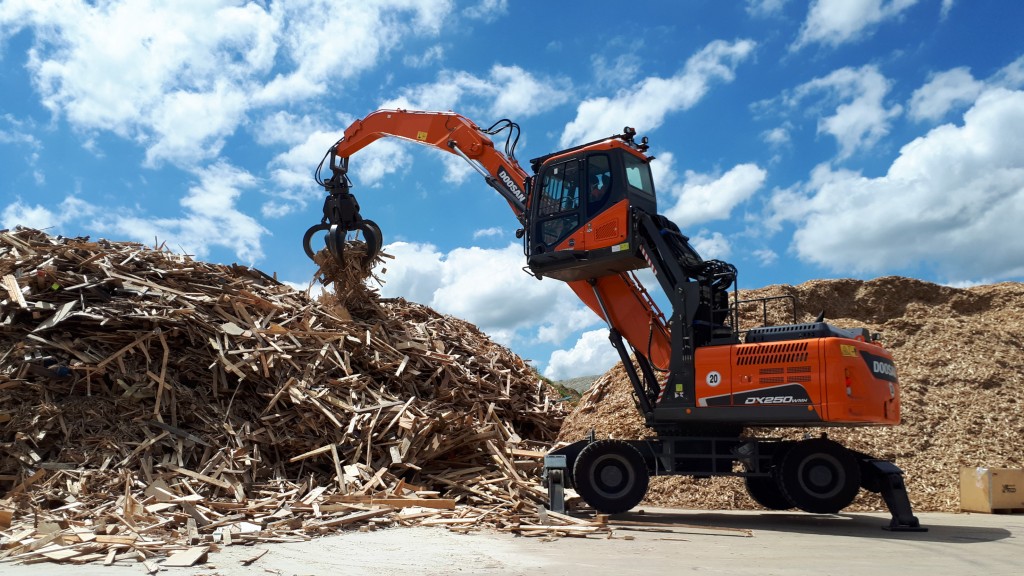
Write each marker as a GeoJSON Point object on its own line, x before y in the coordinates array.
{"type": "Point", "coordinates": [766, 491]}
{"type": "Point", "coordinates": [819, 476]}
{"type": "Point", "coordinates": [611, 476]}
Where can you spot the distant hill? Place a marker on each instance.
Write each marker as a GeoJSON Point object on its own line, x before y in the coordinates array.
{"type": "Point", "coordinates": [580, 383]}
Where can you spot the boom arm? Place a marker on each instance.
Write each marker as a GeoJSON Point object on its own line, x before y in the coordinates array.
{"type": "Point", "coordinates": [443, 130]}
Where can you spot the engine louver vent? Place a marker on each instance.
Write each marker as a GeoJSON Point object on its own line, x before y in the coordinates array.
{"type": "Point", "coordinates": [784, 352]}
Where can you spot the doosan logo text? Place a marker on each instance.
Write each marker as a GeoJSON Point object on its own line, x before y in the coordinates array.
{"type": "Point", "coordinates": [883, 368]}
{"type": "Point", "coordinates": [510, 183]}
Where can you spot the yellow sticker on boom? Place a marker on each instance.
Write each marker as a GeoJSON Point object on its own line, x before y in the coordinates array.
{"type": "Point", "coordinates": [421, 136]}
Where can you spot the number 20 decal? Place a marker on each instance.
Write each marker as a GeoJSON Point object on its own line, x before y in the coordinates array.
{"type": "Point", "coordinates": [713, 379]}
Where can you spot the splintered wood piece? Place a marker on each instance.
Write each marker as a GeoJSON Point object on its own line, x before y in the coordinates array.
{"type": "Point", "coordinates": [184, 559]}
{"type": "Point", "coordinates": [14, 291]}
{"type": "Point", "coordinates": [352, 518]}
{"type": "Point", "coordinates": [315, 452]}
{"type": "Point", "coordinates": [259, 554]}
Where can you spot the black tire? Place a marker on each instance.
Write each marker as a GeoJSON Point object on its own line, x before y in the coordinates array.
{"type": "Point", "coordinates": [766, 491]}
{"type": "Point", "coordinates": [819, 476]}
{"type": "Point", "coordinates": [611, 476]}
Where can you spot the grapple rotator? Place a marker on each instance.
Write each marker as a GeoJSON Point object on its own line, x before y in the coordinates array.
{"type": "Point", "coordinates": [341, 215]}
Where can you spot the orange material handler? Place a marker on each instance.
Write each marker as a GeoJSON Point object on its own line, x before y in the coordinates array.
{"type": "Point", "coordinates": [589, 218]}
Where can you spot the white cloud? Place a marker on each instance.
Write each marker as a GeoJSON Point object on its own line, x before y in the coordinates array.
{"type": "Point", "coordinates": [42, 218]}
{"type": "Point", "coordinates": [311, 30]}
{"type": "Point", "coordinates": [484, 286]}
{"type": "Point", "coordinates": [291, 173]}
{"type": "Point", "coordinates": [456, 170]}
{"type": "Point", "coordinates": [567, 322]}
{"type": "Point", "coordinates": [415, 272]}
{"type": "Point", "coordinates": [952, 201]}
{"type": "Point", "coordinates": [765, 256]}
{"type": "Point", "coordinates": [712, 246]}
{"type": "Point", "coordinates": [380, 159]}
{"type": "Point", "coordinates": [429, 57]}
{"type": "Point", "coordinates": [947, 6]}
{"type": "Point", "coordinates": [487, 10]}
{"type": "Point", "coordinates": [507, 91]}
{"type": "Point", "coordinates": [488, 232]}
{"type": "Point", "coordinates": [179, 81]}
{"type": "Point", "coordinates": [765, 7]}
{"type": "Point", "coordinates": [861, 118]}
{"type": "Point", "coordinates": [704, 197]}
{"type": "Point", "coordinates": [1010, 76]}
{"type": "Point", "coordinates": [944, 92]}
{"type": "Point", "coordinates": [621, 71]}
{"type": "Point", "coordinates": [210, 218]}
{"type": "Point", "coordinates": [283, 127]}
{"type": "Point", "coordinates": [168, 75]}
{"type": "Point", "coordinates": [778, 136]}
{"type": "Point", "coordinates": [835, 22]}
{"type": "Point", "coordinates": [645, 105]}
{"type": "Point", "coordinates": [592, 354]}
{"type": "Point", "coordinates": [17, 131]}
{"type": "Point", "coordinates": [189, 127]}
{"type": "Point", "coordinates": [490, 287]}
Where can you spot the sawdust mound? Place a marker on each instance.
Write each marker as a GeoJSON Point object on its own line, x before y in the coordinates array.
{"type": "Point", "coordinates": [131, 376]}
{"type": "Point", "coordinates": [958, 352]}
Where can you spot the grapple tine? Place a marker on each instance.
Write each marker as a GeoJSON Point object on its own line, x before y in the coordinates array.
{"type": "Point", "coordinates": [336, 243]}
{"type": "Point", "coordinates": [373, 237]}
{"type": "Point", "coordinates": [307, 239]}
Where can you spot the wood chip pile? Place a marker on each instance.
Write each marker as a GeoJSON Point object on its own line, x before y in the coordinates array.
{"type": "Point", "coordinates": [959, 354]}
{"type": "Point", "coordinates": [152, 404]}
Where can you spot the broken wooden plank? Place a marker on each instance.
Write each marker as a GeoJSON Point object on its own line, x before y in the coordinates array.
{"type": "Point", "coordinates": [186, 558]}
{"type": "Point", "coordinates": [201, 477]}
{"type": "Point", "coordinates": [351, 518]}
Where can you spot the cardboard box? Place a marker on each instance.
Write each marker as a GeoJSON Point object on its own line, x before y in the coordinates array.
{"type": "Point", "coordinates": [991, 490]}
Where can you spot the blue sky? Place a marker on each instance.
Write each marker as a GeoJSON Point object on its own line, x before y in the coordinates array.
{"type": "Point", "coordinates": [797, 140]}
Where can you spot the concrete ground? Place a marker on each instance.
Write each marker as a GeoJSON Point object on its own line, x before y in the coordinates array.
{"type": "Point", "coordinates": [651, 542]}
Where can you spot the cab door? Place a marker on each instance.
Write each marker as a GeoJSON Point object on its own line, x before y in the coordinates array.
{"type": "Point", "coordinates": [558, 209]}
{"type": "Point", "coordinates": [607, 213]}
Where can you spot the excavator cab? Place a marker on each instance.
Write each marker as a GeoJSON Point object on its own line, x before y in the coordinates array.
{"type": "Point", "coordinates": [581, 221]}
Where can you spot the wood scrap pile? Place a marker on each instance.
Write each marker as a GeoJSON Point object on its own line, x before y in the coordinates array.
{"type": "Point", "coordinates": [151, 404]}
{"type": "Point", "coordinates": [958, 352]}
